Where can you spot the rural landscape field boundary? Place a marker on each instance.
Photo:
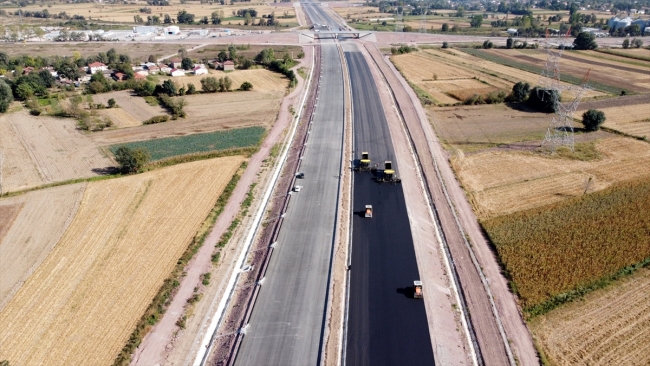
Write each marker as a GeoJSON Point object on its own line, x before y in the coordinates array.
{"type": "Point", "coordinates": [166, 291]}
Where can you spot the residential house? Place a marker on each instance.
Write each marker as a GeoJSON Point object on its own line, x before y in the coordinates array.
{"type": "Point", "coordinates": [228, 66]}
{"type": "Point", "coordinates": [177, 72]}
{"type": "Point", "coordinates": [200, 70]}
{"type": "Point", "coordinates": [27, 70]}
{"type": "Point", "coordinates": [164, 68]}
{"type": "Point", "coordinates": [139, 76]}
{"type": "Point", "coordinates": [97, 66]}
{"type": "Point", "coordinates": [51, 70]}
{"type": "Point", "coordinates": [118, 76]}
{"type": "Point", "coordinates": [175, 62]}
{"type": "Point", "coordinates": [153, 69]}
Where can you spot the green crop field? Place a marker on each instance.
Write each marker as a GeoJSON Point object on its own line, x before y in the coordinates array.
{"type": "Point", "coordinates": [198, 143]}
{"type": "Point", "coordinates": [556, 253]}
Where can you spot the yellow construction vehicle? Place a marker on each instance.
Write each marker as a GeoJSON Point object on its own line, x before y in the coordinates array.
{"type": "Point", "coordinates": [417, 289]}
{"type": "Point", "coordinates": [388, 175]}
{"type": "Point", "coordinates": [362, 164]}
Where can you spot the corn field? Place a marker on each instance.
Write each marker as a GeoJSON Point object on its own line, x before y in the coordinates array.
{"type": "Point", "coordinates": [551, 252]}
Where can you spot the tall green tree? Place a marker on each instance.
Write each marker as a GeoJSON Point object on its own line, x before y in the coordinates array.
{"type": "Point", "coordinates": [187, 63]}
{"type": "Point", "coordinates": [6, 96]}
{"type": "Point", "coordinates": [585, 41]}
{"type": "Point", "coordinates": [476, 21]}
{"type": "Point", "coordinates": [131, 160]}
{"type": "Point", "coordinates": [46, 78]}
{"type": "Point", "coordinates": [169, 88]}
{"type": "Point", "coordinates": [520, 92]}
{"type": "Point", "coordinates": [185, 17]}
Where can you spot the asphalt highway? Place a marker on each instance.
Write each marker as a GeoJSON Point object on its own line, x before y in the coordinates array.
{"type": "Point", "coordinates": [287, 322]}
{"type": "Point", "coordinates": [386, 326]}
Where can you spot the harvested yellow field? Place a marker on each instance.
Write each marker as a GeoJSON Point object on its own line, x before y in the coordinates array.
{"type": "Point", "coordinates": [45, 149]}
{"type": "Point", "coordinates": [360, 12]}
{"type": "Point", "coordinates": [125, 13]}
{"type": "Point", "coordinates": [621, 70]}
{"type": "Point", "coordinates": [262, 80]}
{"type": "Point", "coordinates": [509, 75]}
{"type": "Point", "coordinates": [446, 83]}
{"type": "Point", "coordinates": [608, 327]}
{"type": "Point", "coordinates": [132, 109]}
{"type": "Point", "coordinates": [22, 246]}
{"type": "Point", "coordinates": [417, 67]}
{"type": "Point", "coordinates": [17, 170]}
{"type": "Point", "coordinates": [120, 117]}
{"type": "Point", "coordinates": [503, 182]}
{"type": "Point", "coordinates": [83, 301]}
{"type": "Point", "coordinates": [633, 120]}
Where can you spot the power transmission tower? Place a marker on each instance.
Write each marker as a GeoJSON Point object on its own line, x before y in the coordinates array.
{"type": "Point", "coordinates": [560, 132]}
{"type": "Point", "coordinates": [423, 19]}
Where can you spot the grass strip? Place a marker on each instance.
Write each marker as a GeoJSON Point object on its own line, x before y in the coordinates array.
{"type": "Point", "coordinates": [163, 298]}
{"type": "Point", "coordinates": [606, 88]}
{"type": "Point", "coordinates": [225, 237]}
{"type": "Point", "coordinates": [61, 183]}
{"type": "Point", "coordinates": [623, 54]}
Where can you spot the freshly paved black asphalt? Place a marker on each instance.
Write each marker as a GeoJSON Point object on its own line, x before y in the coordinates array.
{"type": "Point", "coordinates": [386, 326]}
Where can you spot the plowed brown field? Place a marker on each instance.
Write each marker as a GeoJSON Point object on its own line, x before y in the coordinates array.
{"type": "Point", "coordinates": [40, 220]}
{"type": "Point", "coordinates": [609, 327]}
{"type": "Point", "coordinates": [81, 304]}
{"type": "Point", "coordinates": [502, 182]}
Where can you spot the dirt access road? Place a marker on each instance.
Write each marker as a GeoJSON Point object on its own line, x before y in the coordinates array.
{"type": "Point", "coordinates": [502, 334]}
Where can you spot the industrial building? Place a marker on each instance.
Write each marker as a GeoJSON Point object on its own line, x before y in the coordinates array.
{"type": "Point", "coordinates": [173, 30]}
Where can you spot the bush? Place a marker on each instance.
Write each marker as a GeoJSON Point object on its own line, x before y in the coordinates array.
{"type": "Point", "coordinates": [246, 86]}
{"type": "Point", "coordinates": [509, 43]}
{"type": "Point", "coordinates": [544, 100]}
{"type": "Point", "coordinates": [488, 44]}
{"type": "Point", "coordinates": [445, 45]}
{"type": "Point", "coordinates": [593, 119]}
{"type": "Point", "coordinates": [626, 43]}
{"type": "Point", "coordinates": [209, 84]}
{"type": "Point", "coordinates": [474, 99]}
{"type": "Point", "coordinates": [519, 92]}
{"type": "Point", "coordinates": [402, 50]}
{"type": "Point", "coordinates": [112, 103]}
{"type": "Point", "coordinates": [156, 119]}
{"type": "Point", "coordinates": [495, 97]}
{"type": "Point", "coordinates": [131, 160]}
{"type": "Point", "coordinates": [174, 106]}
